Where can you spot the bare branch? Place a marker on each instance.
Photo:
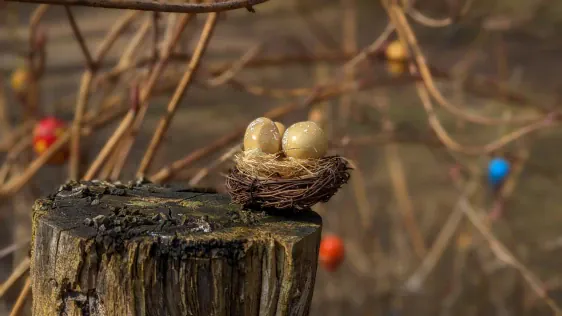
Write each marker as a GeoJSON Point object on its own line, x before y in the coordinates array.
{"type": "Point", "coordinates": [146, 5]}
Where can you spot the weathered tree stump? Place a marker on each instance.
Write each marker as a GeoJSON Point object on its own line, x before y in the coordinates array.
{"type": "Point", "coordinates": [141, 249]}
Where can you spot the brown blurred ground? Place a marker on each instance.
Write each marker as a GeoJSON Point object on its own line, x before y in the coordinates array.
{"type": "Point", "coordinates": [366, 284]}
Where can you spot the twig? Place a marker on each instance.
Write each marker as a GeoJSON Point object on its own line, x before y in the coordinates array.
{"type": "Point", "coordinates": [147, 5]}
{"type": "Point", "coordinates": [13, 247]}
{"type": "Point", "coordinates": [22, 268]}
{"type": "Point", "coordinates": [110, 145]}
{"type": "Point", "coordinates": [407, 36]}
{"type": "Point", "coordinates": [179, 93]}
{"type": "Point", "coordinates": [4, 172]}
{"type": "Point", "coordinates": [473, 150]}
{"type": "Point", "coordinates": [229, 73]}
{"type": "Point", "coordinates": [15, 184]}
{"type": "Point", "coordinates": [168, 171]}
{"type": "Point", "coordinates": [80, 39]}
{"type": "Point", "coordinates": [359, 191]}
{"type": "Point", "coordinates": [504, 255]}
{"type": "Point", "coordinates": [147, 91]}
{"type": "Point", "coordinates": [86, 84]}
{"type": "Point", "coordinates": [215, 164]}
{"type": "Point", "coordinates": [399, 183]}
{"type": "Point", "coordinates": [83, 96]}
{"type": "Point", "coordinates": [416, 280]}
{"type": "Point", "coordinates": [4, 114]}
{"type": "Point", "coordinates": [24, 295]}
{"type": "Point", "coordinates": [349, 44]}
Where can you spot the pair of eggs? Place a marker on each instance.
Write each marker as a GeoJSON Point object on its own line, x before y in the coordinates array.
{"type": "Point", "coordinates": [302, 140]}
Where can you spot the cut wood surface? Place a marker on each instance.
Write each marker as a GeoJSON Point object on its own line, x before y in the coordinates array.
{"type": "Point", "coordinates": [110, 249]}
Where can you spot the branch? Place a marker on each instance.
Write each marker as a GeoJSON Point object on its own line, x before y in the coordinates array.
{"type": "Point", "coordinates": [146, 5]}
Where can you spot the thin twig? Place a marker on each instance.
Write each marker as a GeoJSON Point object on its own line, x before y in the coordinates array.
{"type": "Point", "coordinates": [416, 280]}
{"type": "Point", "coordinates": [22, 268]}
{"type": "Point", "coordinates": [13, 247]}
{"type": "Point", "coordinates": [179, 93]}
{"type": "Point", "coordinates": [504, 255]}
{"type": "Point", "coordinates": [451, 144]}
{"type": "Point", "coordinates": [24, 295]}
{"type": "Point", "coordinates": [407, 36]}
{"type": "Point", "coordinates": [160, 6]}
{"type": "Point", "coordinates": [79, 38]}
{"type": "Point", "coordinates": [168, 171]}
{"type": "Point", "coordinates": [215, 164]}
{"type": "Point", "coordinates": [110, 145]}
{"type": "Point", "coordinates": [349, 44]}
{"type": "Point", "coordinates": [86, 84]}
{"type": "Point", "coordinates": [15, 184]}
{"type": "Point", "coordinates": [229, 73]}
{"type": "Point", "coordinates": [83, 96]}
{"type": "Point", "coordinates": [146, 93]}
{"type": "Point", "coordinates": [400, 185]}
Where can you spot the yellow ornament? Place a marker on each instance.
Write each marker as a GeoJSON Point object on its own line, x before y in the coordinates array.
{"type": "Point", "coordinates": [396, 51]}
{"type": "Point", "coordinates": [262, 134]}
{"type": "Point", "coordinates": [19, 80]}
{"type": "Point", "coordinates": [305, 140]}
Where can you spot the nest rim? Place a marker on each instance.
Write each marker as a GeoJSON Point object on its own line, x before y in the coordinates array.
{"type": "Point", "coordinates": [276, 194]}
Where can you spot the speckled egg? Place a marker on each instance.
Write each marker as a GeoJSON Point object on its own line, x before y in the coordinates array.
{"type": "Point", "coordinates": [281, 128]}
{"type": "Point", "coordinates": [262, 134]}
{"type": "Point", "coordinates": [305, 140]}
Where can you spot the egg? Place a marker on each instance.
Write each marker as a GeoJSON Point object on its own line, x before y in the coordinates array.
{"type": "Point", "coordinates": [305, 140]}
{"type": "Point", "coordinates": [396, 51]}
{"type": "Point", "coordinates": [281, 128]}
{"type": "Point", "coordinates": [262, 134]}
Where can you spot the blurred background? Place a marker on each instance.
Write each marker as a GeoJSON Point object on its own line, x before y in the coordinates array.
{"type": "Point", "coordinates": [425, 230]}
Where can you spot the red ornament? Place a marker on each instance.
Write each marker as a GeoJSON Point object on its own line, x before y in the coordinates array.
{"type": "Point", "coordinates": [332, 252]}
{"type": "Point", "coordinates": [45, 134]}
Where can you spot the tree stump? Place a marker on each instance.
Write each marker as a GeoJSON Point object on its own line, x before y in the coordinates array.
{"type": "Point", "coordinates": [140, 249]}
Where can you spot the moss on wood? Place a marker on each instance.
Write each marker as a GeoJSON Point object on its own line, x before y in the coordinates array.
{"type": "Point", "coordinates": [141, 249]}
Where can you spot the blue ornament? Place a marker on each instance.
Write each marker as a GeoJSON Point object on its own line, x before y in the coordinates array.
{"type": "Point", "coordinates": [498, 169]}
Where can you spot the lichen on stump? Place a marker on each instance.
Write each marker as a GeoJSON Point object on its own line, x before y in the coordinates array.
{"type": "Point", "coordinates": [141, 249]}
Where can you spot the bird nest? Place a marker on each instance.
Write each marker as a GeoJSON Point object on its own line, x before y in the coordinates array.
{"type": "Point", "coordinates": [272, 182]}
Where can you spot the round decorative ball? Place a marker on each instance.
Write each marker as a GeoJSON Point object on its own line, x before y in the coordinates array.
{"type": "Point", "coordinates": [281, 128]}
{"type": "Point", "coordinates": [45, 134]}
{"type": "Point", "coordinates": [262, 134]}
{"type": "Point", "coordinates": [396, 51]}
{"type": "Point", "coordinates": [19, 80]}
{"type": "Point", "coordinates": [331, 252]}
{"type": "Point", "coordinates": [498, 169]}
{"type": "Point", "coordinates": [305, 140]}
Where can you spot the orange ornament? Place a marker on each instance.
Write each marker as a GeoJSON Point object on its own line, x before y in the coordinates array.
{"type": "Point", "coordinates": [332, 252]}
{"type": "Point", "coordinates": [45, 134]}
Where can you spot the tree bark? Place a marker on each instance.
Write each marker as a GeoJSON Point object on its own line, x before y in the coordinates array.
{"type": "Point", "coordinates": [109, 249]}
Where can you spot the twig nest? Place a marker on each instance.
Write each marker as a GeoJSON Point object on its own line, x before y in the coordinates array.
{"type": "Point", "coordinates": [305, 140]}
{"type": "Point", "coordinates": [263, 135]}
{"type": "Point", "coordinates": [293, 179]}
